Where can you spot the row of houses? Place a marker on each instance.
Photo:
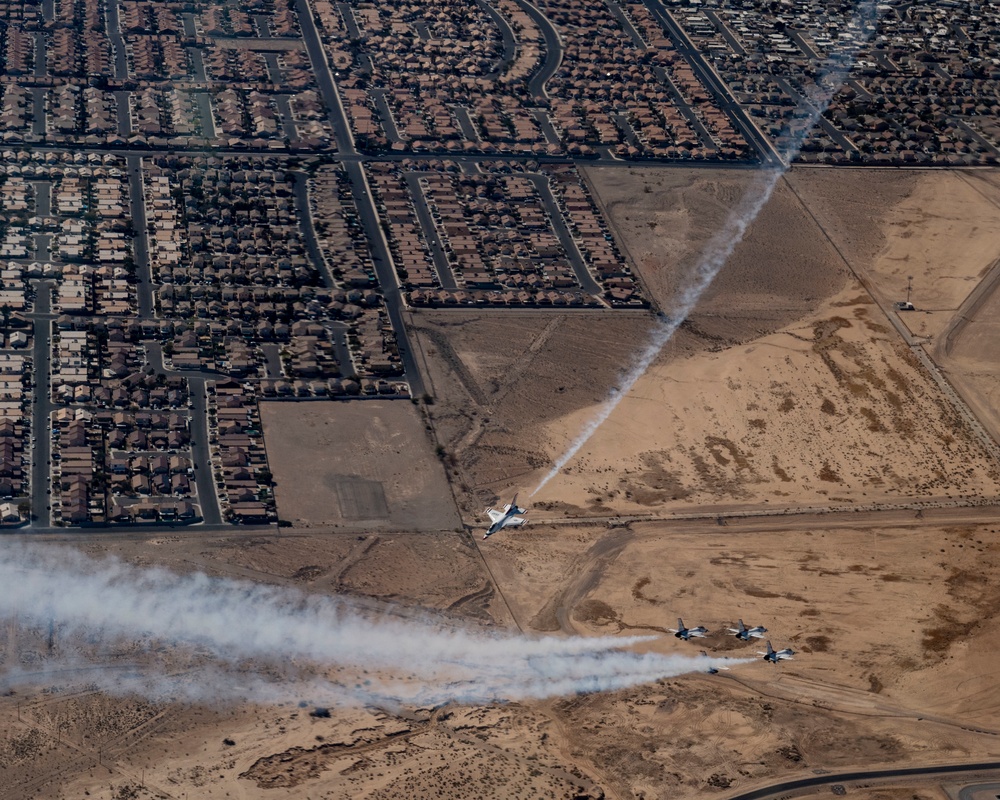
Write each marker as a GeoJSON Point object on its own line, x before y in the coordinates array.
{"type": "Point", "coordinates": [239, 460]}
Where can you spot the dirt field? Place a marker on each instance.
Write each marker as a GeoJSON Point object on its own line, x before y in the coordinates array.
{"type": "Point", "coordinates": [366, 463]}
{"type": "Point", "coordinates": [788, 387]}
{"type": "Point", "coordinates": [908, 684]}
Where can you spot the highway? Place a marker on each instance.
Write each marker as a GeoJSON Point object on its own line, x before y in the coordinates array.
{"type": "Point", "coordinates": [324, 79]}
{"type": "Point", "coordinates": [950, 771]}
{"type": "Point", "coordinates": [382, 262]}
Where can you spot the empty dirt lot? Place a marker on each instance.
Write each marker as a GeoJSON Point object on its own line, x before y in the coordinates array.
{"type": "Point", "coordinates": [788, 386]}
{"type": "Point", "coordinates": [365, 463]}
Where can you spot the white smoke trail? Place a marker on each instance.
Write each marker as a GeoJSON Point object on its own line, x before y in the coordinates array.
{"type": "Point", "coordinates": [721, 246]}
{"type": "Point", "coordinates": [267, 643]}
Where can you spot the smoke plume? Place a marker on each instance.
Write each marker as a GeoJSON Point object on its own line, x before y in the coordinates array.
{"type": "Point", "coordinates": [266, 643]}
{"type": "Point", "coordinates": [721, 246]}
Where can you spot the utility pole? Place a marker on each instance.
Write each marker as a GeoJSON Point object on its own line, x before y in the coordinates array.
{"type": "Point", "coordinates": [909, 287]}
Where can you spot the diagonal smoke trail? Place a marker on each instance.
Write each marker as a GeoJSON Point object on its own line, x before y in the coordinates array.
{"type": "Point", "coordinates": [721, 246]}
{"type": "Point", "coordinates": [265, 642]}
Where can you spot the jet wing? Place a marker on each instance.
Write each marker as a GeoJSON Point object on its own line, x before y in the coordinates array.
{"type": "Point", "coordinates": [493, 514]}
{"type": "Point", "coordinates": [515, 521]}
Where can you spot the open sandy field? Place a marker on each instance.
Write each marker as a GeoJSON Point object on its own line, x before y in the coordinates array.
{"type": "Point", "coordinates": [892, 623]}
{"type": "Point", "coordinates": [789, 387]}
{"type": "Point", "coordinates": [367, 463]}
{"type": "Point", "coordinates": [788, 384]}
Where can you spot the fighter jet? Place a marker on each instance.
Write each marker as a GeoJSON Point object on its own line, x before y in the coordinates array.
{"type": "Point", "coordinates": [505, 518]}
{"type": "Point", "coordinates": [774, 656]}
{"type": "Point", "coordinates": [686, 633]}
{"type": "Point", "coordinates": [712, 670]}
{"type": "Point", "coordinates": [745, 633]}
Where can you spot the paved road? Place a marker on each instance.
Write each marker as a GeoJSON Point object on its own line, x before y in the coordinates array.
{"type": "Point", "coordinates": [124, 113]}
{"type": "Point", "coordinates": [201, 455]}
{"type": "Point", "coordinates": [41, 451]}
{"type": "Point", "coordinates": [714, 84]}
{"type": "Point", "coordinates": [140, 243]}
{"type": "Point", "coordinates": [204, 103]}
{"type": "Point", "coordinates": [980, 790]}
{"type": "Point", "coordinates": [385, 271]}
{"type": "Point", "coordinates": [626, 23]}
{"type": "Point", "coordinates": [727, 34]}
{"type": "Point", "coordinates": [117, 43]}
{"type": "Point", "coordinates": [704, 135]}
{"type": "Point", "coordinates": [465, 123]}
{"type": "Point", "coordinates": [444, 271]}
{"type": "Point", "coordinates": [553, 50]}
{"type": "Point", "coordinates": [41, 64]}
{"type": "Point", "coordinates": [583, 276]}
{"type": "Point", "coordinates": [38, 111]}
{"type": "Point", "coordinates": [507, 36]}
{"type": "Point", "coordinates": [324, 79]}
{"type": "Point", "coordinates": [786, 788]}
{"type": "Point", "coordinates": [757, 520]}
{"type": "Point", "coordinates": [273, 68]}
{"type": "Point", "coordinates": [284, 105]}
{"type": "Point", "coordinates": [262, 24]}
{"type": "Point", "coordinates": [43, 247]}
{"type": "Point", "coordinates": [385, 116]}
{"type": "Point", "coordinates": [43, 197]}
{"type": "Point", "coordinates": [606, 160]}
{"type": "Point", "coordinates": [197, 65]}
{"type": "Point", "coordinates": [347, 13]}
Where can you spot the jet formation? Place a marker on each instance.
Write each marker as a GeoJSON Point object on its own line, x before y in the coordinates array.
{"type": "Point", "coordinates": [508, 517]}
{"type": "Point", "coordinates": [742, 632]}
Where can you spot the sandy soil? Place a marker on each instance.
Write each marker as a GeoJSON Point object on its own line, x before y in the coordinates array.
{"type": "Point", "coordinates": [498, 378]}
{"type": "Point", "coordinates": [832, 410]}
{"type": "Point", "coordinates": [788, 386]}
{"type": "Point", "coordinates": [910, 683]}
{"type": "Point", "coordinates": [367, 463]}
{"type": "Point", "coordinates": [941, 228]}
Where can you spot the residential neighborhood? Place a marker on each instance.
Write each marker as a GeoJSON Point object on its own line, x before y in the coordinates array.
{"type": "Point", "coordinates": [208, 206]}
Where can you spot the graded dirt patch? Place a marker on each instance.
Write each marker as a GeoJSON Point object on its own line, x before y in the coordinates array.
{"type": "Point", "coordinates": [363, 463]}
{"type": "Point", "coordinates": [497, 379]}
{"type": "Point", "coordinates": [829, 411]}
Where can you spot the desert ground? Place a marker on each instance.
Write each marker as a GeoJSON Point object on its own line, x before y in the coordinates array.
{"type": "Point", "coordinates": [368, 463]}
{"type": "Point", "coordinates": [789, 459]}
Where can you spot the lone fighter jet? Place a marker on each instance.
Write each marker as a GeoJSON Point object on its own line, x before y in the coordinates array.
{"type": "Point", "coordinates": [686, 633]}
{"type": "Point", "coordinates": [745, 633]}
{"type": "Point", "coordinates": [505, 518]}
{"type": "Point", "coordinates": [774, 656]}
